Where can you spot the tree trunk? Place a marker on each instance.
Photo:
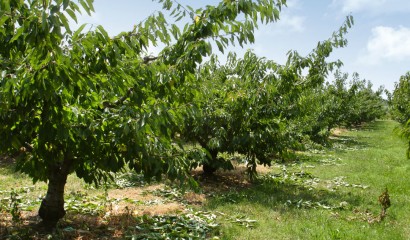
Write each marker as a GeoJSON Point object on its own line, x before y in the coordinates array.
{"type": "Point", "coordinates": [208, 168]}
{"type": "Point", "coordinates": [52, 207]}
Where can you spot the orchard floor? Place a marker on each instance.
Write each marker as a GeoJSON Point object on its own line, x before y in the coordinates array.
{"type": "Point", "coordinates": [329, 193]}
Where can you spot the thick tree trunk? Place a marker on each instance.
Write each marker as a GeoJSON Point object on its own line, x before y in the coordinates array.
{"type": "Point", "coordinates": [52, 207]}
{"type": "Point", "coordinates": [209, 169]}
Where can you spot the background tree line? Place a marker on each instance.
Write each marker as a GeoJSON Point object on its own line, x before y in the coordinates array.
{"type": "Point", "coordinates": [265, 111]}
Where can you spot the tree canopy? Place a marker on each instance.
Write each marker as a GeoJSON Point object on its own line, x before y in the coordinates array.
{"type": "Point", "coordinates": [85, 102]}
{"type": "Point", "coordinates": [400, 106]}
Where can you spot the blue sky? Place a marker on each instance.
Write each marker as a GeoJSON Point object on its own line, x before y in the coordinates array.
{"type": "Point", "coordinates": [379, 42]}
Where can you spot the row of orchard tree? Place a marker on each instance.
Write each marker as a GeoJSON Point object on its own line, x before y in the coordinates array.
{"type": "Point", "coordinates": [88, 103]}
{"type": "Point", "coordinates": [264, 110]}
{"type": "Point", "coordinates": [400, 106]}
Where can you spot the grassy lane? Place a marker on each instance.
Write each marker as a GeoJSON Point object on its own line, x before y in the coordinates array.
{"type": "Point", "coordinates": [331, 194]}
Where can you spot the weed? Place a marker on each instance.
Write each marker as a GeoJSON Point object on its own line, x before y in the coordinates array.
{"type": "Point", "coordinates": [15, 212]}
{"type": "Point", "coordinates": [384, 200]}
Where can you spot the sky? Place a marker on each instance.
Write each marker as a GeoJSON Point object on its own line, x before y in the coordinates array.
{"type": "Point", "coordinates": [379, 42]}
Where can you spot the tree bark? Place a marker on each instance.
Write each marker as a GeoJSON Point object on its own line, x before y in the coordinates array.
{"type": "Point", "coordinates": [208, 168]}
{"type": "Point", "coordinates": [52, 207]}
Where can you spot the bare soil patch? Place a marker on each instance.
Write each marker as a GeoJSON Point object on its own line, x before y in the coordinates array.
{"type": "Point", "coordinates": [126, 205]}
{"type": "Point", "coordinates": [338, 131]}
{"type": "Point", "coordinates": [227, 180]}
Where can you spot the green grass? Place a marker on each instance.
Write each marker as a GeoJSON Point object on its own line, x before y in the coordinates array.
{"type": "Point", "coordinates": [9, 179]}
{"type": "Point", "coordinates": [292, 208]}
{"type": "Point", "coordinates": [328, 194]}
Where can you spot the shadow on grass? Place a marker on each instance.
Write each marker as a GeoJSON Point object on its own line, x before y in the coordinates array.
{"type": "Point", "coordinates": [7, 162]}
{"type": "Point", "coordinates": [72, 226]}
{"type": "Point", "coordinates": [373, 126]}
{"type": "Point", "coordinates": [8, 169]}
{"type": "Point", "coordinates": [281, 196]}
{"type": "Point", "coordinates": [368, 126]}
{"type": "Point", "coordinates": [346, 143]}
{"type": "Point", "coordinates": [127, 225]}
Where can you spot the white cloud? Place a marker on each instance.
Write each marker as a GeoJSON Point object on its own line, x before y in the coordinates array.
{"type": "Point", "coordinates": [360, 5]}
{"type": "Point", "coordinates": [289, 22]}
{"type": "Point", "coordinates": [387, 44]}
{"type": "Point", "coordinates": [373, 6]}
{"type": "Point", "coordinates": [292, 3]}
{"type": "Point", "coordinates": [292, 23]}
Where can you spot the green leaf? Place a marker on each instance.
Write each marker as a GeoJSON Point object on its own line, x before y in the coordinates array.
{"type": "Point", "coordinates": [220, 46]}
{"type": "Point", "coordinates": [15, 142]}
{"type": "Point", "coordinates": [103, 32]}
{"type": "Point", "coordinates": [90, 5]}
{"type": "Point", "coordinates": [65, 4]}
{"type": "Point", "coordinates": [3, 19]}
{"type": "Point", "coordinates": [85, 7]}
{"type": "Point", "coordinates": [64, 20]}
{"type": "Point", "coordinates": [79, 30]}
{"type": "Point", "coordinates": [72, 14]}
{"type": "Point", "coordinates": [5, 5]}
{"type": "Point", "coordinates": [18, 34]}
{"type": "Point", "coordinates": [44, 21]}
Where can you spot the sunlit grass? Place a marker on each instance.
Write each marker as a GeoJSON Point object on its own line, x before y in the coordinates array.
{"type": "Point", "coordinates": [20, 182]}
{"type": "Point", "coordinates": [342, 202]}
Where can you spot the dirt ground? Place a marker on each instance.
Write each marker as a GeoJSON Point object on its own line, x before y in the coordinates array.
{"type": "Point", "coordinates": [127, 203]}
{"type": "Point", "coordinates": [338, 131]}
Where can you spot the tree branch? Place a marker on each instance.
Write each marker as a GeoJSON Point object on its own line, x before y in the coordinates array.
{"type": "Point", "coordinates": [148, 59]}
{"type": "Point", "coordinates": [26, 148]}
